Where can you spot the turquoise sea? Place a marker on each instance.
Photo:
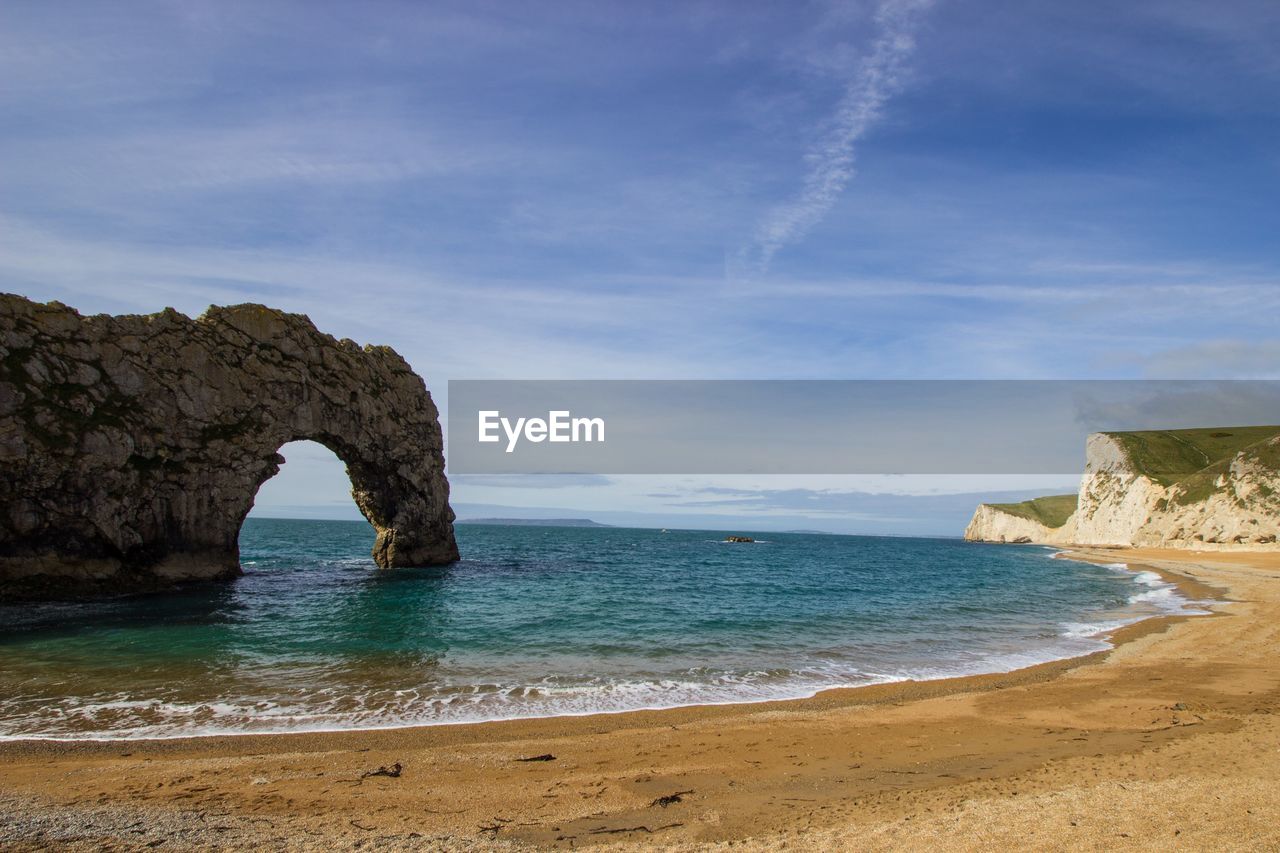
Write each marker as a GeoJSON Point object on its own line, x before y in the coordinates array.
{"type": "Point", "coordinates": [539, 621]}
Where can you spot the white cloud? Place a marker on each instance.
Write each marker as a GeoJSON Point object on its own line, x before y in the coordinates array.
{"type": "Point", "coordinates": [830, 160]}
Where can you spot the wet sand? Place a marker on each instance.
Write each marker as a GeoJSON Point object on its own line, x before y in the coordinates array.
{"type": "Point", "coordinates": [1172, 738]}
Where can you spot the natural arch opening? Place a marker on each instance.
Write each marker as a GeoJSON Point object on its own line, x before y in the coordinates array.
{"type": "Point", "coordinates": [304, 512]}
{"type": "Point", "coordinates": [312, 484]}
{"type": "Point", "coordinates": [391, 495]}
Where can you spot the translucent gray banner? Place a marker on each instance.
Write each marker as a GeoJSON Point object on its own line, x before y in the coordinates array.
{"type": "Point", "coordinates": [822, 426]}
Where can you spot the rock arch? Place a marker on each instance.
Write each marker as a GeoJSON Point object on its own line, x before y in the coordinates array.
{"type": "Point", "coordinates": [131, 447]}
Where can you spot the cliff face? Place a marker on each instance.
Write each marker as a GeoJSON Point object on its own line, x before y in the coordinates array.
{"type": "Point", "coordinates": [131, 447]}
{"type": "Point", "coordinates": [992, 524]}
{"type": "Point", "coordinates": [1127, 500]}
{"type": "Point", "coordinates": [1231, 503]}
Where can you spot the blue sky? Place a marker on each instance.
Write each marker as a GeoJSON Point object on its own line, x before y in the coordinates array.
{"type": "Point", "coordinates": [687, 190]}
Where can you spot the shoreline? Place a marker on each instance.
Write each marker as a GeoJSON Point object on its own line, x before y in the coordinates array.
{"type": "Point", "coordinates": [1190, 592]}
{"type": "Point", "coordinates": [890, 760]}
{"type": "Point", "coordinates": [871, 693]}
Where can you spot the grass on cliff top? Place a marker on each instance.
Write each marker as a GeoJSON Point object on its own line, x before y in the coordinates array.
{"type": "Point", "coordinates": [1201, 484]}
{"type": "Point", "coordinates": [1051, 511]}
{"type": "Point", "coordinates": [1173, 455]}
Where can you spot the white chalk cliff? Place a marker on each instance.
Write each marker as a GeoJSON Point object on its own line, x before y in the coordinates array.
{"type": "Point", "coordinates": [1231, 503]}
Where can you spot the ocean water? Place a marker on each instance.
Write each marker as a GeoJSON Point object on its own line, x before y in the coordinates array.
{"type": "Point", "coordinates": [541, 621]}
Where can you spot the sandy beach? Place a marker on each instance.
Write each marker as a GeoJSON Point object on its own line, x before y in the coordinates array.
{"type": "Point", "coordinates": [1171, 738]}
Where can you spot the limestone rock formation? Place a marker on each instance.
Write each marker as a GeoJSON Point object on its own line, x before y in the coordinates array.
{"type": "Point", "coordinates": [1234, 502]}
{"type": "Point", "coordinates": [992, 524]}
{"type": "Point", "coordinates": [1131, 495]}
{"type": "Point", "coordinates": [131, 448]}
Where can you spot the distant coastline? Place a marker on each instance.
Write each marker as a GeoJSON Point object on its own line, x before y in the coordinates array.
{"type": "Point", "coordinates": [534, 522]}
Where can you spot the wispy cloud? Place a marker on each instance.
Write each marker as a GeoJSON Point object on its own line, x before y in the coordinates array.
{"type": "Point", "coordinates": [830, 161]}
{"type": "Point", "coordinates": [664, 325]}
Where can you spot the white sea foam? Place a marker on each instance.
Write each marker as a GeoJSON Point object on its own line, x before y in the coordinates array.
{"type": "Point", "coordinates": [1159, 598]}
{"type": "Point", "coordinates": [111, 718]}
{"type": "Point", "coordinates": [166, 720]}
{"type": "Point", "coordinates": [1094, 629]}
